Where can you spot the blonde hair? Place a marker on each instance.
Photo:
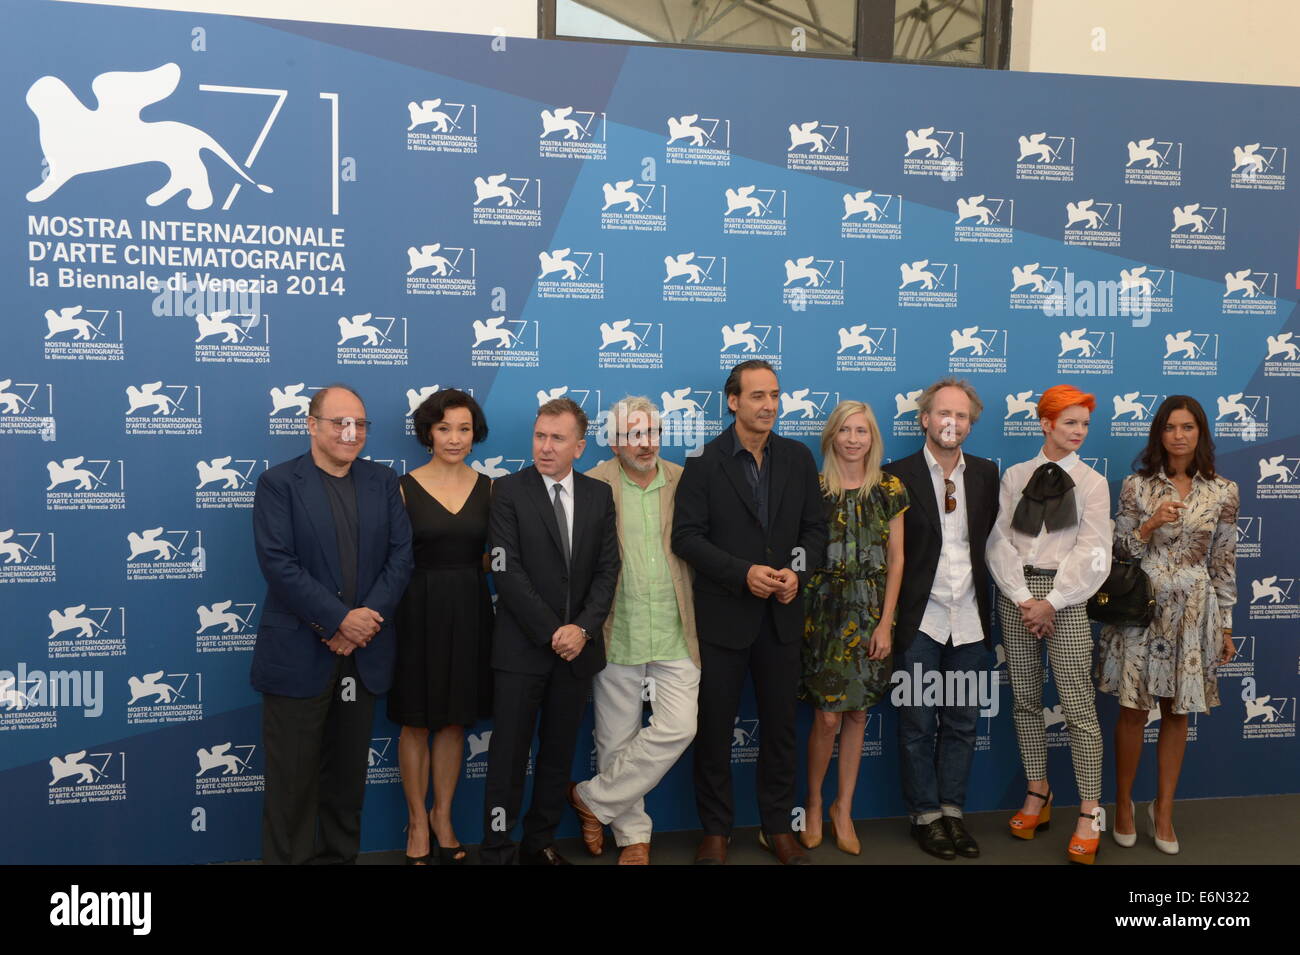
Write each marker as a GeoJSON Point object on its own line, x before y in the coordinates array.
{"type": "Point", "coordinates": [831, 478]}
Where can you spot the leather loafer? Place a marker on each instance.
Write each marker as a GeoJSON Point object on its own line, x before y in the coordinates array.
{"type": "Point", "coordinates": [933, 838]}
{"type": "Point", "coordinates": [785, 847]}
{"type": "Point", "coordinates": [638, 853]}
{"type": "Point", "coordinates": [547, 856]}
{"type": "Point", "coordinates": [962, 841]}
{"type": "Point", "coordinates": [712, 851]}
{"type": "Point", "coordinates": [593, 831]}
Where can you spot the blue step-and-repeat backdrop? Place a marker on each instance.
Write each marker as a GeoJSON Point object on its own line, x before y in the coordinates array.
{"type": "Point", "coordinates": [206, 218]}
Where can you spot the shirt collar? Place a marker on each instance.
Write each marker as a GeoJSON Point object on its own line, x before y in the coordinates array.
{"type": "Point", "coordinates": [737, 447]}
{"type": "Point", "coordinates": [931, 462]}
{"type": "Point", "coordinates": [1198, 476]}
{"type": "Point", "coordinates": [656, 482]}
{"type": "Point", "coordinates": [567, 484]}
{"type": "Point", "coordinates": [1066, 463]}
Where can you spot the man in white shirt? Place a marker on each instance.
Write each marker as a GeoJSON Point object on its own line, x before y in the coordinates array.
{"type": "Point", "coordinates": [943, 613]}
{"type": "Point", "coordinates": [553, 536]}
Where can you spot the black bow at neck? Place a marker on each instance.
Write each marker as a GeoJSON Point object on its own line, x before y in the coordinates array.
{"type": "Point", "coordinates": [1047, 501]}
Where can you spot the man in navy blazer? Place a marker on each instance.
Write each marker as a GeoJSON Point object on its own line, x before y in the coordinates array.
{"type": "Point", "coordinates": [334, 544]}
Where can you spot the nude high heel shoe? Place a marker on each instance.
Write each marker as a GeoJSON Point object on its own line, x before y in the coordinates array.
{"type": "Point", "coordinates": [1168, 846]}
{"type": "Point", "coordinates": [1127, 840]}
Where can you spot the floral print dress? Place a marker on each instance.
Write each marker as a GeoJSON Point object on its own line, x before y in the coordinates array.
{"type": "Point", "coordinates": [1193, 571]}
{"type": "Point", "coordinates": [843, 601]}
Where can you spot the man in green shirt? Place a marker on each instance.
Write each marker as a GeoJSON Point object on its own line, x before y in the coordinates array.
{"type": "Point", "coordinates": [650, 642]}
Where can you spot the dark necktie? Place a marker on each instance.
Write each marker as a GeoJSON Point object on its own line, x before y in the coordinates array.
{"type": "Point", "coordinates": [562, 519]}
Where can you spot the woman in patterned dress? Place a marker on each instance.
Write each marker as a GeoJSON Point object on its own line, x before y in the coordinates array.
{"type": "Point", "coordinates": [849, 606]}
{"type": "Point", "coordinates": [1179, 518]}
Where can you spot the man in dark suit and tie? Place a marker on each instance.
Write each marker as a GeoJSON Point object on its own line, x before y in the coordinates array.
{"type": "Point", "coordinates": [553, 540]}
{"type": "Point", "coordinates": [943, 612]}
{"type": "Point", "coordinates": [749, 519]}
{"type": "Point", "coordinates": [334, 544]}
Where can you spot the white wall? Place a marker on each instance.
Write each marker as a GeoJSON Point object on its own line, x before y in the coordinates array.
{"type": "Point", "coordinates": [1221, 41]}
{"type": "Point", "coordinates": [1228, 41]}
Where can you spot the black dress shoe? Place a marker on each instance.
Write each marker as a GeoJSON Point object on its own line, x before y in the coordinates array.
{"type": "Point", "coordinates": [961, 839]}
{"type": "Point", "coordinates": [933, 838]}
{"type": "Point", "coordinates": [547, 856]}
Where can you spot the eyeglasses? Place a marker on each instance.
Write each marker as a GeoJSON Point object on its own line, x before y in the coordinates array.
{"type": "Point", "coordinates": [362, 424]}
{"type": "Point", "coordinates": [639, 436]}
{"type": "Point", "coordinates": [949, 496]}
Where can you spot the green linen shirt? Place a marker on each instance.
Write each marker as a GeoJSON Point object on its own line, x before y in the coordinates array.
{"type": "Point", "coordinates": [647, 626]}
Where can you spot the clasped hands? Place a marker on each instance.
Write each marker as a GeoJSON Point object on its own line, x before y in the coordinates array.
{"type": "Point", "coordinates": [1038, 617]}
{"type": "Point", "coordinates": [568, 641]}
{"type": "Point", "coordinates": [765, 581]}
{"type": "Point", "coordinates": [357, 630]}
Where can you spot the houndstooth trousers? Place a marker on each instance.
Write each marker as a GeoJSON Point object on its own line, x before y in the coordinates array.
{"type": "Point", "coordinates": [1070, 652]}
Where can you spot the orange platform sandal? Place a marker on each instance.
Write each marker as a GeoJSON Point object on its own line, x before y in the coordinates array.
{"type": "Point", "coordinates": [1025, 825]}
{"type": "Point", "coordinates": [1084, 851]}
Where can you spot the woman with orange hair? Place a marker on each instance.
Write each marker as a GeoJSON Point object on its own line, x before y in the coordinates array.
{"type": "Point", "coordinates": [1049, 552]}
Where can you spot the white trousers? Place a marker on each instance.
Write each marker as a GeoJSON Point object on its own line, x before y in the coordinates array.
{"type": "Point", "coordinates": [633, 758]}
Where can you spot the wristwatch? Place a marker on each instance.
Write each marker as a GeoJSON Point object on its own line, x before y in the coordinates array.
{"type": "Point", "coordinates": [585, 635]}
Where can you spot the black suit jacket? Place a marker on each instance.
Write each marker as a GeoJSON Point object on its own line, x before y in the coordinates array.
{"type": "Point", "coordinates": [716, 530]}
{"type": "Point", "coordinates": [533, 585]}
{"type": "Point", "coordinates": [923, 539]}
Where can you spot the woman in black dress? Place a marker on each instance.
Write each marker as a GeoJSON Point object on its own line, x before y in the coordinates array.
{"type": "Point", "coordinates": [444, 622]}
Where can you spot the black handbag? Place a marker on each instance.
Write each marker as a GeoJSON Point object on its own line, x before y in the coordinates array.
{"type": "Point", "coordinates": [1125, 599]}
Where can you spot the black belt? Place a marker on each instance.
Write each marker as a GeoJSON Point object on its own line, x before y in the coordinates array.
{"type": "Point", "coordinates": [1032, 571]}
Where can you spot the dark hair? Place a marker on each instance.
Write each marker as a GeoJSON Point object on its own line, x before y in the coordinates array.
{"type": "Point", "coordinates": [318, 399]}
{"type": "Point", "coordinates": [561, 406]}
{"type": "Point", "coordinates": [435, 407]}
{"type": "Point", "coordinates": [732, 387]}
{"type": "Point", "coordinates": [1154, 457]}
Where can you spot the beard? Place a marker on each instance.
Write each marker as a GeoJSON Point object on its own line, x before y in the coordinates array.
{"type": "Point", "coordinates": [634, 464]}
{"type": "Point", "coordinates": [947, 436]}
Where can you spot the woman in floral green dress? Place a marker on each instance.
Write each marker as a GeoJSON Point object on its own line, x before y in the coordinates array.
{"type": "Point", "coordinates": [849, 609]}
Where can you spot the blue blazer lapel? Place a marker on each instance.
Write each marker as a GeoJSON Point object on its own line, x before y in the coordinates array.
{"type": "Point", "coordinates": [312, 492]}
{"type": "Point", "coordinates": [370, 499]}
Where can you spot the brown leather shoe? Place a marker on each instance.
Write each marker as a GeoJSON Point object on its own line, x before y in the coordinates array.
{"type": "Point", "coordinates": [785, 847]}
{"type": "Point", "coordinates": [712, 851]}
{"type": "Point", "coordinates": [638, 853]}
{"type": "Point", "coordinates": [593, 831]}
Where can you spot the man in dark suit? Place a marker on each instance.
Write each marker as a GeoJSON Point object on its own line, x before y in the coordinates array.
{"type": "Point", "coordinates": [334, 544]}
{"type": "Point", "coordinates": [553, 539]}
{"type": "Point", "coordinates": [749, 519]}
{"type": "Point", "coordinates": [943, 613]}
